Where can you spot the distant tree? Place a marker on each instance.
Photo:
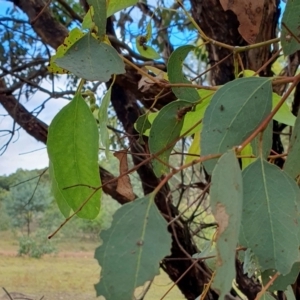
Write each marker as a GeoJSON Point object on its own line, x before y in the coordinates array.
{"type": "Point", "coordinates": [25, 200]}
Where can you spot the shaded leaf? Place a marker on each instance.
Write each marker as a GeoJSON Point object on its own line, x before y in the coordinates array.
{"type": "Point", "coordinates": [103, 120]}
{"type": "Point", "coordinates": [226, 197]}
{"type": "Point", "coordinates": [74, 35]}
{"type": "Point", "coordinates": [284, 114]}
{"type": "Point", "coordinates": [227, 122]}
{"type": "Point", "coordinates": [73, 151]}
{"type": "Point", "coordinates": [132, 249]}
{"type": "Point", "coordinates": [176, 76]}
{"type": "Point", "coordinates": [165, 130]}
{"type": "Point", "coordinates": [270, 216]}
{"type": "Point", "coordinates": [99, 16]}
{"type": "Point", "coordinates": [124, 186]}
{"type": "Point", "coordinates": [115, 5]}
{"type": "Point", "coordinates": [290, 19]}
{"type": "Point", "coordinates": [292, 163]}
{"type": "Point", "coordinates": [92, 60]}
{"type": "Point", "coordinates": [267, 140]}
{"type": "Point", "coordinates": [282, 282]}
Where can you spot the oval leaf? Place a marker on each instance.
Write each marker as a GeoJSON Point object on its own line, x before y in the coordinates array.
{"type": "Point", "coordinates": [175, 74]}
{"type": "Point", "coordinates": [270, 216]}
{"type": "Point", "coordinates": [165, 130]}
{"type": "Point", "coordinates": [73, 151]}
{"type": "Point", "coordinates": [226, 122]}
{"type": "Point", "coordinates": [132, 248]}
{"type": "Point", "coordinates": [226, 197]}
{"type": "Point", "coordinates": [92, 60]}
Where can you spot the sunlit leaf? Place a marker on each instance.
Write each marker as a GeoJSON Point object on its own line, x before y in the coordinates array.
{"type": "Point", "coordinates": [227, 122]}
{"type": "Point", "coordinates": [74, 35]}
{"type": "Point", "coordinates": [115, 5]}
{"type": "Point", "coordinates": [88, 22]}
{"type": "Point", "coordinates": [194, 150]}
{"type": "Point", "coordinates": [284, 114]}
{"type": "Point", "coordinates": [92, 60]}
{"type": "Point", "coordinates": [226, 197]}
{"type": "Point", "coordinates": [270, 216]}
{"type": "Point", "coordinates": [132, 248]}
{"type": "Point", "coordinates": [247, 151]}
{"type": "Point", "coordinates": [73, 151]}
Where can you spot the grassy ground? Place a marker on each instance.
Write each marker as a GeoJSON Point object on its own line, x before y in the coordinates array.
{"type": "Point", "coordinates": [68, 275]}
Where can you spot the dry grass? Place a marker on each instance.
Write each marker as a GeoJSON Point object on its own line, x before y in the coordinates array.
{"type": "Point", "coordinates": [69, 275]}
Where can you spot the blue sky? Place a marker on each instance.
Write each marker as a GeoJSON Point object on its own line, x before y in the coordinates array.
{"type": "Point", "coordinates": [20, 151]}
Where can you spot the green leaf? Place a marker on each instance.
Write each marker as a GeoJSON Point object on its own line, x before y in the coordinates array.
{"type": "Point", "coordinates": [226, 197]}
{"type": "Point", "coordinates": [282, 282]}
{"type": "Point", "coordinates": [115, 5]}
{"type": "Point", "coordinates": [99, 16]}
{"type": "Point", "coordinates": [267, 139]}
{"type": "Point", "coordinates": [103, 120]}
{"type": "Point", "coordinates": [88, 22]}
{"type": "Point", "coordinates": [175, 74]}
{"type": "Point", "coordinates": [165, 130]}
{"type": "Point", "coordinates": [132, 248]}
{"type": "Point", "coordinates": [61, 201]}
{"type": "Point", "coordinates": [149, 31]}
{"type": "Point", "coordinates": [194, 116]}
{"type": "Point", "coordinates": [292, 163]}
{"type": "Point", "coordinates": [92, 60]}
{"type": "Point", "coordinates": [290, 293]}
{"type": "Point", "coordinates": [146, 50]}
{"type": "Point", "coordinates": [141, 125]}
{"type": "Point", "coordinates": [73, 151]}
{"type": "Point", "coordinates": [270, 216]}
{"type": "Point", "coordinates": [227, 122]}
{"type": "Point", "coordinates": [290, 19]}
{"type": "Point", "coordinates": [194, 149]}
{"type": "Point", "coordinates": [74, 35]}
{"type": "Point", "coordinates": [208, 250]}
{"type": "Point", "coordinates": [284, 114]}
{"type": "Point", "coordinates": [190, 119]}
{"type": "Point", "coordinates": [247, 151]}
